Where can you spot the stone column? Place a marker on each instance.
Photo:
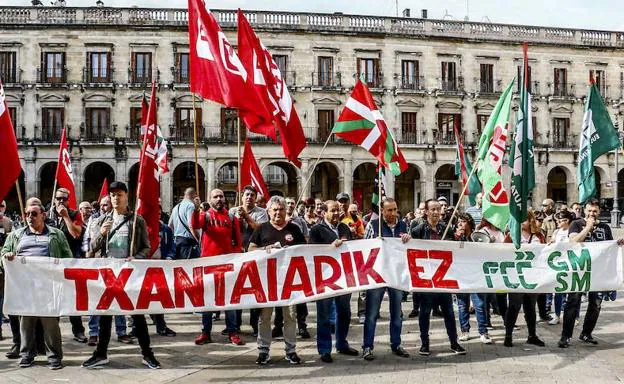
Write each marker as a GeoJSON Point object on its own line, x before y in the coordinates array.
{"type": "Point", "coordinates": [165, 192]}
{"type": "Point", "coordinates": [211, 176]}
{"type": "Point", "coordinates": [390, 180]}
{"type": "Point", "coordinates": [305, 169]}
{"type": "Point", "coordinates": [347, 186]}
{"type": "Point", "coordinates": [30, 179]}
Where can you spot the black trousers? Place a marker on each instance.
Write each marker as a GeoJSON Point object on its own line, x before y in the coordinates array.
{"type": "Point", "coordinates": [302, 314]}
{"type": "Point", "coordinates": [527, 302]}
{"type": "Point", "coordinates": [14, 322]}
{"type": "Point", "coordinates": [140, 331]}
{"type": "Point", "coordinates": [542, 308]}
{"type": "Point", "coordinates": [573, 306]}
{"type": "Point", "coordinates": [77, 327]}
{"type": "Point", "coordinates": [501, 304]}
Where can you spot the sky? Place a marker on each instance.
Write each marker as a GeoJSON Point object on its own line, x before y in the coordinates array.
{"type": "Point", "coordinates": [596, 14]}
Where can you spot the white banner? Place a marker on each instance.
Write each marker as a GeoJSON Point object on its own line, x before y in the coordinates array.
{"type": "Point", "coordinates": [38, 286]}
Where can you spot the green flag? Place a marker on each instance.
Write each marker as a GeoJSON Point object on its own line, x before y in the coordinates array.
{"type": "Point", "coordinates": [491, 151]}
{"type": "Point", "coordinates": [521, 161]}
{"type": "Point", "coordinates": [463, 170]}
{"type": "Point", "coordinates": [598, 136]}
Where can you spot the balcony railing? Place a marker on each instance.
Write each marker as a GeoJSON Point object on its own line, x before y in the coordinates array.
{"type": "Point", "coordinates": [447, 138]}
{"type": "Point", "coordinates": [184, 133]}
{"type": "Point", "coordinates": [565, 142]}
{"type": "Point", "coordinates": [142, 78]}
{"type": "Point", "coordinates": [373, 80]}
{"type": "Point", "coordinates": [489, 87]}
{"type": "Point", "coordinates": [276, 178]}
{"type": "Point", "coordinates": [416, 83]}
{"type": "Point", "coordinates": [97, 134]}
{"type": "Point", "coordinates": [227, 178]}
{"type": "Point", "coordinates": [452, 85]}
{"type": "Point", "coordinates": [89, 78]}
{"type": "Point", "coordinates": [413, 137]}
{"type": "Point", "coordinates": [48, 135]}
{"type": "Point", "coordinates": [181, 76]}
{"type": "Point", "coordinates": [326, 79]}
{"type": "Point", "coordinates": [315, 136]}
{"type": "Point", "coordinates": [562, 90]}
{"type": "Point", "coordinates": [54, 77]}
{"type": "Point", "coordinates": [290, 78]}
{"type": "Point", "coordinates": [10, 77]}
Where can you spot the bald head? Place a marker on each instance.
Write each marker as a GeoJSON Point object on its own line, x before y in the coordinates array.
{"type": "Point", "coordinates": [217, 199]}
{"type": "Point", "coordinates": [190, 193]}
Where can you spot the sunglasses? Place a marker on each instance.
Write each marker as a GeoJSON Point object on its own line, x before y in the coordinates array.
{"type": "Point", "coordinates": [61, 198]}
{"type": "Point", "coordinates": [32, 214]}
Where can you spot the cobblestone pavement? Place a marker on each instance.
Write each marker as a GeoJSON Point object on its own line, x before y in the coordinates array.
{"type": "Point", "coordinates": [184, 362]}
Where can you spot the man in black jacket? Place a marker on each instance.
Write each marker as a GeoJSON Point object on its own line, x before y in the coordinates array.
{"type": "Point", "coordinates": [332, 231]}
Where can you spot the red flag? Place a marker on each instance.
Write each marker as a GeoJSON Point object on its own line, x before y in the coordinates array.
{"type": "Point", "coordinates": [217, 73]}
{"type": "Point", "coordinates": [104, 190]}
{"type": "Point", "coordinates": [10, 167]}
{"type": "Point", "coordinates": [148, 188]}
{"type": "Point", "coordinates": [250, 172]}
{"type": "Point", "coordinates": [271, 89]}
{"type": "Point", "coordinates": [64, 172]}
{"type": "Point", "coordinates": [144, 110]}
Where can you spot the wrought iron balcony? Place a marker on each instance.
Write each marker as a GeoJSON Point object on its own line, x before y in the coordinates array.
{"type": "Point", "coordinates": [326, 80]}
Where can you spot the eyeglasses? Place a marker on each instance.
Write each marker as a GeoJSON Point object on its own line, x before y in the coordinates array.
{"type": "Point", "coordinates": [32, 214]}
{"type": "Point", "coordinates": [61, 198]}
{"type": "Point", "coordinates": [309, 206]}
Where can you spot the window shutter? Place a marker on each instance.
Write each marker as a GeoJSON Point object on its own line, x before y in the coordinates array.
{"type": "Point", "coordinates": [42, 71]}
{"type": "Point", "coordinates": [109, 75]}
{"type": "Point", "coordinates": [133, 69]}
{"type": "Point", "coordinates": [107, 122]}
{"type": "Point", "coordinates": [149, 66]}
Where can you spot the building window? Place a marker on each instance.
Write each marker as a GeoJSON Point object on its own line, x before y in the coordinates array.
{"type": "Point", "coordinates": [229, 125]}
{"type": "Point", "coordinates": [446, 124]}
{"type": "Point", "coordinates": [185, 120]}
{"type": "Point", "coordinates": [135, 123]}
{"type": "Point", "coordinates": [52, 120]}
{"type": "Point", "coordinates": [561, 82]}
{"type": "Point", "coordinates": [182, 68]}
{"type": "Point", "coordinates": [325, 118]}
{"type": "Point", "coordinates": [520, 73]}
{"type": "Point", "coordinates": [282, 63]}
{"type": "Point", "coordinates": [141, 67]}
{"type": "Point", "coordinates": [410, 78]}
{"type": "Point", "coordinates": [325, 75]}
{"type": "Point", "coordinates": [486, 84]}
{"type": "Point", "coordinates": [561, 126]}
{"type": "Point", "coordinates": [409, 133]}
{"type": "Point", "coordinates": [449, 76]}
{"type": "Point", "coordinates": [481, 124]}
{"type": "Point", "coordinates": [8, 67]}
{"type": "Point", "coordinates": [98, 124]}
{"type": "Point", "coordinates": [599, 77]}
{"type": "Point", "coordinates": [13, 117]}
{"type": "Point", "coordinates": [53, 67]}
{"type": "Point", "coordinates": [369, 68]}
{"type": "Point", "coordinates": [99, 67]}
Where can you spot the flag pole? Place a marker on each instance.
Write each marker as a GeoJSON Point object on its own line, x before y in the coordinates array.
{"type": "Point", "coordinates": [238, 144]}
{"type": "Point", "coordinates": [19, 197]}
{"type": "Point", "coordinates": [379, 199]}
{"type": "Point", "coordinates": [311, 172]}
{"type": "Point", "coordinates": [461, 197]}
{"type": "Point", "coordinates": [195, 145]}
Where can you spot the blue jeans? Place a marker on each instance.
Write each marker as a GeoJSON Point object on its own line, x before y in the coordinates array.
{"type": "Point", "coordinates": [333, 314]}
{"type": "Point", "coordinates": [374, 297]}
{"type": "Point", "coordinates": [340, 305]}
{"type": "Point", "coordinates": [559, 298]}
{"type": "Point", "coordinates": [230, 322]}
{"type": "Point", "coordinates": [427, 302]}
{"type": "Point", "coordinates": [479, 301]}
{"type": "Point", "coordinates": [120, 325]}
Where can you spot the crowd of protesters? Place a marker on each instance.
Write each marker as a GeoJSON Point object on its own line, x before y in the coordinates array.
{"type": "Point", "coordinates": [197, 229]}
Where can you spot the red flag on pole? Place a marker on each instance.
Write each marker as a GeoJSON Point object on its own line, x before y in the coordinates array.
{"type": "Point", "coordinates": [64, 172]}
{"type": "Point", "coordinates": [10, 167]}
{"type": "Point", "coordinates": [271, 88]}
{"type": "Point", "coordinates": [148, 188]}
{"type": "Point", "coordinates": [217, 73]}
{"type": "Point", "coordinates": [104, 190]}
{"type": "Point", "coordinates": [250, 172]}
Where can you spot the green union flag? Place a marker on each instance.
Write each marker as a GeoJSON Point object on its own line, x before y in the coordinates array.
{"type": "Point", "coordinates": [598, 136]}
{"type": "Point", "coordinates": [491, 151]}
{"type": "Point", "coordinates": [522, 161]}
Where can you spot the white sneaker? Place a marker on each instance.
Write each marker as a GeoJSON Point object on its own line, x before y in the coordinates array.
{"type": "Point", "coordinates": [485, 339]}
{"type": "Point", "coordinates": [464, 336]}
{"type": "Point", "coordinates": [554, 320]}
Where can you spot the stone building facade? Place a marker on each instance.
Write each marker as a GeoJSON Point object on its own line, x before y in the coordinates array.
{"type": "Point", "coordinates": [88, 69]}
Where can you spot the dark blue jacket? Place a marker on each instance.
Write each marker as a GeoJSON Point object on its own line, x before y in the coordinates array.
{"type": "Point", "coordinates": [386, 231]}
{"type": "Point", "coordinates": [167, 244]}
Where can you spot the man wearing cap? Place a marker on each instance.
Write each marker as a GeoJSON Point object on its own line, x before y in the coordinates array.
{"type": "Point", "coordinates": [114, 239]}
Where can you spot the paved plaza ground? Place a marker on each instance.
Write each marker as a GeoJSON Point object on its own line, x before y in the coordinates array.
{"type": "Point", "coordinates": [184, 362]}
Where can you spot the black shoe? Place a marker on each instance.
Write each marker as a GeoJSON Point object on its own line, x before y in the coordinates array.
{"type": "Point", "coordinates": [277, 332]}
{"type": "Point", "coordinates": [26, 362]}
{"type": "Point", "coordinates": [93, 340]}
{"type": "Point", "coordinates": [348, 351]}
{"type": "Point", "coordinates": [564, 342]}
{"type": "Point", "coordinates": [400, 351]}
{"type": "Point", "coordinates": [150, 362]}
{"type": "Point", "coordinates": [508, 341]}
{"type": "Point", "coordinates": [95, 361]}
{"type": "Point", "coordinates": [326, 358]}
{"type": "Point", "coordinates": [80, 337]}
{"type": "Point", "coordinates": [216, 317]}
{"type": "Point", "coordinates": [304, 334]}
{"type": "Point", "coordinates": [126, 339]}
{"type": "Point", "coordinates": [458, 349]}
{"type": "Point", "coordinates": [254, 334]}
{"type": "Point", "coordinates": [225, 332]}
{"type": "Point", "coordinates": [14, 352]}
{"type": "Point", "coordinates": [535, 341]}
{"type": "Point", "coordinates": [367, 354]}
{"type": "Point", "coordinates": [55, 365]}
{"type": "Point", "coordinates": [413, 314]}
{"type": "Point", "coordinates": [167, 332]}
{"type": "Point", "coordinates": [437, 313]}
{"type": "Point", "coordinates": [263, 359]}
{"type": "Point", "coordinates": [587, 339]}
{"type": "Point", "coordinates": [424, 350]}
{"type": "Point", "coordinates": [293, 358]}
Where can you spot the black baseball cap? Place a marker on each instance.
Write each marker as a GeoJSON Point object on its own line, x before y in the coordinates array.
{"type": "Point", "coordinates": [118, 185]}
{"type": "Point", "coordinates": [342, 196]}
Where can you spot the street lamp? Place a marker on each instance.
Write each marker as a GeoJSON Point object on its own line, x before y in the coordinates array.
{"type": "Point", "coordinates": [615, 212]}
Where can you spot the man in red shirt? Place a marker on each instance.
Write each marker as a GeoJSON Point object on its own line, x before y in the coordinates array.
{"type": "Point", "coordinates": [220, 235]}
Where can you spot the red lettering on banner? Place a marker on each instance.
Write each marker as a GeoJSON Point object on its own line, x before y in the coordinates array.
{"type": "Point", "coordinates": [297, 265]}
{"type": "Point", "coordinates": [438, 276]}
{"type": "Point", "coordinates": [182, 286]}
{"type": "Point", "coordinates": [365, 269]}
{"type": "Point", "coordinates": [415, 270]}
{"type": "Point", "coordinates": [348, 268]}
{"type": "Point", "coordinates": [219, 272]}
{"type": "Point", "coordinates": [272, 279]}
{"type": "Point", "coordinates": [321, 283]}
{"type": "Point", "coordinates": [115, 289]}
{"type": "Point", "coordinates": [154, 278]}
{"type": "Point", "coordinates": [80, 277]}
{"type": "Point", "coordinates": [248, 271]}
